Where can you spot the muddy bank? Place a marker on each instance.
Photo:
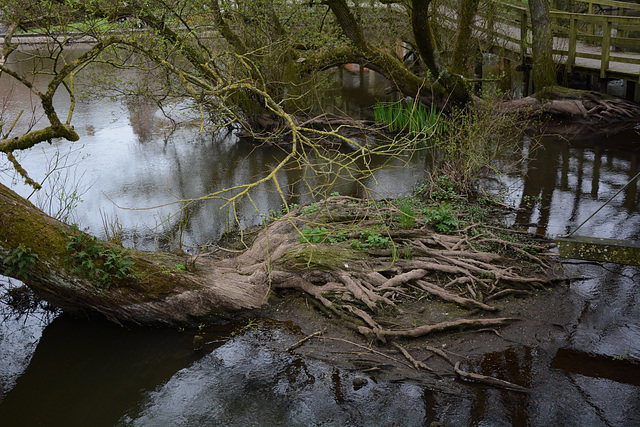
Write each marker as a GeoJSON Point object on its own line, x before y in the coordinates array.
{"type": "Point", "coordinates": [543, 317]}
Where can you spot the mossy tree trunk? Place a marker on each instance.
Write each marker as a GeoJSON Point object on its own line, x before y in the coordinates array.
{"type": "Point", "coordinates": [425, 40]}
{"type": "Point", "coordinates": [156, 292]}
{"type": "Point", "coordinates": [467, 10]}
{"type": "Point", "coordinates": [333, 271]}
{"type": "Point", "coordinates": [544, 69]}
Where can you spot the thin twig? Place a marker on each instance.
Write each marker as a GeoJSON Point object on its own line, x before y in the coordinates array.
{"type": "Point", "coordinates": [303, 340]}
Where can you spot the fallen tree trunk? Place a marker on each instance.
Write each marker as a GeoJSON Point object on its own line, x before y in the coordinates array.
{"type": "Point", "coordinates": [153, 292]}
{"type": "Point", "coordinates": [572, 106]}
{"type": "Point", "coordinates": [347, 275]}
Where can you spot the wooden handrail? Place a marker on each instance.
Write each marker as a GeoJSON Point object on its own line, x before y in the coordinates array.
{"type": "Point", "coordinates": [571, 27]}
{"type": "Point", "coordinates": [611, 3]}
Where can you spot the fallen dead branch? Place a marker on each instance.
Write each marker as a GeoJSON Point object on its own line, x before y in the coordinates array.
{"type": "Point", "coordinates": [305, 339]}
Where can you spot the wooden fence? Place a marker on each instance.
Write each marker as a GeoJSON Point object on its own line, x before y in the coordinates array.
{"type": "Point", "coordinates": [599, 37]}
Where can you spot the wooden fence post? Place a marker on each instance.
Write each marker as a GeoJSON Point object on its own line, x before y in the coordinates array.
{"type": "Point", "coordinates": [573, 37]}
{"type": "Point", "coordinates": [523, 35]}
{"type": "Point", "coordinates": [606, 47]}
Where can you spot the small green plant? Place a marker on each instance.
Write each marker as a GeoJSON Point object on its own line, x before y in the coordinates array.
{"type": "Point", "coordinates": [376, 239]}
{"type": "Point", "coordinates": [622, 357]}
{"type": "Point", "coordinates": [528, 202]}
{"type": "Point", "coordinates": [407, 253]}
{"type": "Point", "coordinates": [413, 118]}
{"type": "Point", "coordinates": [252, 325]}
{"type": "Point", "coordinates": [313, 235]}
{"type": "Point", "coordinates": [407, 214]}
{"type": "Point", "coordinates": [334, 194]}
{"type": "Point", "coordinates": [116, 263]}
{"type": "Point", "coordinates": [356, 244]}
{"type": "Point", "coordinates": [96, 259]}
{"type": "Point", "coordinates": [443, 217]}
{"type": "Point", "coordinates": [310, 209]}
{"type": "Point", "coordinates": [20, 261]}
{"type": "Point", "coordinates": [180, 268]}
{"type": "Point", "coordinates": [340, 236]}
{"type": "Point", "coordinates": [443, 189]}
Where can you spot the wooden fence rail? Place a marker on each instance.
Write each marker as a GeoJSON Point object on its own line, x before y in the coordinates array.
{"type": "Point", "coordinates": [602, 41]}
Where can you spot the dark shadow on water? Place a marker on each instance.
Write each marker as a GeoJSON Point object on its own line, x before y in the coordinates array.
{"type": "Point", "coordinates": [616, 369]}
{"type": "Point", "coordinates": [88, 372]}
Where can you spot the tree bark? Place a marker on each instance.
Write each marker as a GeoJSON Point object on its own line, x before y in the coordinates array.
{"type": "Point", "coordinates": [157, 294]}
{"type": "Point", "coordinates": [544, 69]}
{"type": "Point", "coordinates": [423, 34]}
{"type": "Point", "coordinates": [467, 10]}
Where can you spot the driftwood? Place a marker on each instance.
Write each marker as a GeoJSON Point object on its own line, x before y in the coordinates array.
{"type": "Point", "coordinates": [303, 340]}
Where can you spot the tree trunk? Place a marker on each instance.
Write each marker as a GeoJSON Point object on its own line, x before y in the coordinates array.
{"type": "Point", "coordinates": [467, 10]}
{"type": "Point", "coordinates": [423, 34]}
{"type": "Point", "coordinates": [342, 276]}
{"type": "Point", "coordinates": [544, 70]}
{"type": "Point", "coordinates": [156, 292]}
{"type": "Point", "coordinates": [367, 55]}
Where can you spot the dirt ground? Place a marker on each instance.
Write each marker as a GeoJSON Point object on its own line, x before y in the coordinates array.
{"type": "Point", "coordinates": [541, 317]}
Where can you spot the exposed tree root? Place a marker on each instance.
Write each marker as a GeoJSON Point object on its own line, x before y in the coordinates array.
{"type": "Point", "coordinates": [416, 363]}
{"type": "Point", "coordinates": [494, 382]}
{"type": "Point", "coordinates": [421, 331]}
{"type": "Point", "coordinates": [583, 107]}
{"type": "Point", "coordinates": [440, 353]}
{"type": "Point", "coordinates": [448, 296]}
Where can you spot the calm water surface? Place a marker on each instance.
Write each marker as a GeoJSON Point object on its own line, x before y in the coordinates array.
{"type": "Point", "coordinates": [60, 371]}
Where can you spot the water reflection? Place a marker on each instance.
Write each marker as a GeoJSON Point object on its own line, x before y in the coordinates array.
{"type": "Point", "coordinates": [19, 335]}
{"type": "Point", "coordinates": [568, 180]}
{"type": "Point", "coordinates": [138, 166]}
{"type": "Point", "coordinates": [565, 390]}
{"type": "Point", "coordinates": [89, 372]}
{"type": "Point", "coordinates": [250, 381]}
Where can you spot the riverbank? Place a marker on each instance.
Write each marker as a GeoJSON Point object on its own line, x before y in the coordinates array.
{"type": "Point", "coordinates": [439, 315]}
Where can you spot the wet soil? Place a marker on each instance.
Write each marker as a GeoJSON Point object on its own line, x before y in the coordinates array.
{"type": "Point", "coordinates": [543, 317]}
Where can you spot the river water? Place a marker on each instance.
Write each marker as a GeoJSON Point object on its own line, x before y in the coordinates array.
{"type": "Point", "coordinates": [61, 371]}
